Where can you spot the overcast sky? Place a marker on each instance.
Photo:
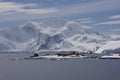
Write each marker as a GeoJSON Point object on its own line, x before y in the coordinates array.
{"type": "Point", "coordinates": [103, 15]}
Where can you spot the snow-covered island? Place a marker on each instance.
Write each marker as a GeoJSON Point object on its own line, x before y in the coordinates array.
{"type": "Point", "coordinates": [58, 56]}
{"type": "Point", "coordinates": [112, 56]}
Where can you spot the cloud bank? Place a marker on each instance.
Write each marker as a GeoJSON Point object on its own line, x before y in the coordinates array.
{"type": "Point", "coordinates": [115, 17]}
{"type": "Point", "coordinates": [7, 8]}
{"type": "Point", "coordinates": [12, 11]}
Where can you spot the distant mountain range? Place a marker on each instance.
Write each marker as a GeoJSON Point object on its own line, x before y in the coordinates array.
{"type": "Point", "coordinates": [52, 35]}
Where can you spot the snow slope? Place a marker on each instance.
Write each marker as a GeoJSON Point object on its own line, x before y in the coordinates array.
{"type": "Point", "coordinates": [109, 47]}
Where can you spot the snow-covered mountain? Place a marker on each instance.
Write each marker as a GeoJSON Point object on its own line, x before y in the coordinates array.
{"type": "Point", "coordinates": [52, 34]}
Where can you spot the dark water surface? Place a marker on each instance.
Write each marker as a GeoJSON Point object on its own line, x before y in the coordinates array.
{"type": "Point", "coordinates": [59, 70]}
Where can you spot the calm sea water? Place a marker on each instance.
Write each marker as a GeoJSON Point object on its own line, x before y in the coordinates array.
{"type": "Point", "coordinates": [57, 70]}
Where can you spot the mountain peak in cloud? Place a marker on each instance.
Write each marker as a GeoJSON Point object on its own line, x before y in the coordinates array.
{"type": "Point", "coordinates": [54, 22]}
